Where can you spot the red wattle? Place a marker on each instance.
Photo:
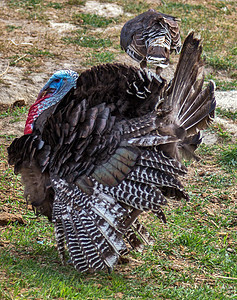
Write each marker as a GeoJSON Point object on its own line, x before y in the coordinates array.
{"type": "Point", "coordinates": [33, 114]}
{"type": "Point", "coordinates": [28, 129]}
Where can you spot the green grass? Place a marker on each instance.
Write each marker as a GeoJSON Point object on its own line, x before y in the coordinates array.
{"type": "Point", "coordinates": [96, 58]}
{"type": "Point", "coordinates": [76, 2]}
{"type": "Point", "coordinates": [220, 63]}
{"type": "Point", "coordinates": [83, 40]}
{"type": "Point", "coordinates": [34, 52]}
{"type": "Point", "coordinates": [17, 114]}
{"type": "Point", "coordinates": [12, 27]}
{"type": "Point", "coordinates": [92, 20]}
{"type": "Point", "coordinates": [14, 112]}
{"type": "Point", "coordinates": [134, 7]}
{"type": "Point", "coordinates": [31, 55]}
{"type": "Point", "coordinates": [220, 132]}
{"type": "Point", "coordinates": [25, 3]}
{"type": "Point", "coordinates": [228, 157]}
{"type": "Point", "coordinates": [223, 85]}
{"type": "Point", "coordinates": [34, 9]}
{"type": "Point", "coordinates": [225, 156]}
{"type": "Point", "coordinates": [217, 180]}
{"type": "Point", "coordinates": [14, 60]}
{"type": "Point", "coordinates": [228, 114]}
{"type": "Point", "coordinates": [209, 20]}
{"type": "Point", "coordinates": [32, 267]}
{"type": "Point", "coordinates": [55, 5]}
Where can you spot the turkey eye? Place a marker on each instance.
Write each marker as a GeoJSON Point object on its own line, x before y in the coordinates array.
{"type": "Point", "coordinates": [57, 80]}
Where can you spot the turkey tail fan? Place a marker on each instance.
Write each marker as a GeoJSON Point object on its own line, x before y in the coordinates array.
{"type": "Point", "coordinates": [192, 108]}
{"type": "Point", "coordinates": [91, 226]}
{"type": "Point", "coordinates": [188, 67]}
{"type": "Point", "coordinates": [201, 112]}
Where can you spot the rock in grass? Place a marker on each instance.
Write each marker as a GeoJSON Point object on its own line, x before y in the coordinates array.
{"type": "Point", "coordinates": [6, 218]}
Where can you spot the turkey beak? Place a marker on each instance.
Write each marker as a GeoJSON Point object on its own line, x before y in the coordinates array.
{"type": "Point", "coordinates": [45, 92]}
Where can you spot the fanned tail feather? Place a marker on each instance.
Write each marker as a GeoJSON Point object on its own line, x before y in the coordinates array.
{"type": "Point", "coordinates": [191, 107]}
{"type": "Point", "coordinates": [201, 112]}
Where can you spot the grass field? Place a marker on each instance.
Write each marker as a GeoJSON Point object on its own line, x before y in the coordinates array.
{"type": "Point", "coordinates": [195, 253]}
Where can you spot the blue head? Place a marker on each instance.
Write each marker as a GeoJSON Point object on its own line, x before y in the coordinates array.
{"type": "Point", "coordinates": [58, 85]}
{"type": "Point", "coordinates": [54, 90]}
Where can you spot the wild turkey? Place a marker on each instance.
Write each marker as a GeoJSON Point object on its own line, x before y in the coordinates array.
{"type": "Point", "coordinates": [104, 146]}
{"type": "Point", "coordinates": [150, 37]}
